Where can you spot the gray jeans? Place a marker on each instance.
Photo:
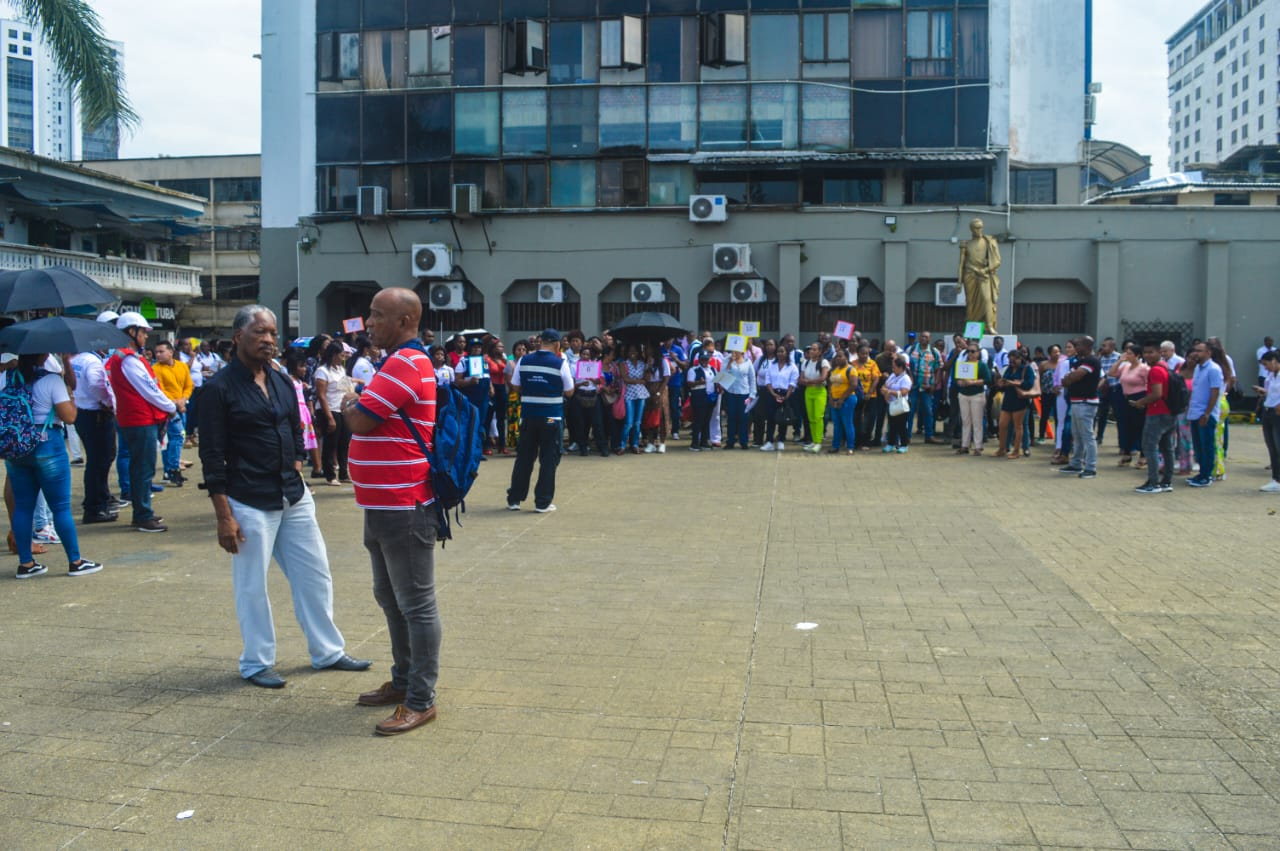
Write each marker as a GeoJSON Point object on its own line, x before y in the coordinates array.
{"type": "Point", "coordinates": [1157, 446]}
{"type": "Point", "coordinates": [1084, 452]}
{"type": "Point", "coordinates": [401, 545]}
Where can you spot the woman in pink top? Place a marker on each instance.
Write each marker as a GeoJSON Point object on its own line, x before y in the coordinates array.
{"type": "Point", "coordinates": [1132, 372]}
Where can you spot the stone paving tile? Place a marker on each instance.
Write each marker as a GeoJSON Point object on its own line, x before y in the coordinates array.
{"type": "Point", "coordinates": [983, 675]}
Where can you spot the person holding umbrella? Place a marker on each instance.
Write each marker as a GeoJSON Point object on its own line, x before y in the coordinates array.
{"type": "Point", "coordinates": [141, 408]}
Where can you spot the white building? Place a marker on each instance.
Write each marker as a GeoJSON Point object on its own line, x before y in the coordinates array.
{"type": "Point", "coordinates": [41, 113]}
{"type": "Point", "coordinates": [1223, 82]}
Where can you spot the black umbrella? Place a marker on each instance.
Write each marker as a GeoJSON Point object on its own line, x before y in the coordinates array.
{"type": "Point", "coordinates": [648, 325]}
{"type": "Point", "coordinates": [62, 334]}
{"type": "Point", "coordinates": [49, 288]}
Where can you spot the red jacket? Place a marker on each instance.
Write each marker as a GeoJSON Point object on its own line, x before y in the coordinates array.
{"type": "Point", "coordinates": [131, 408]}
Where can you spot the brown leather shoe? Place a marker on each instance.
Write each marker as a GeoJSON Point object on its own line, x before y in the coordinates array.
{"type": "Point", "coordinates": [403, 720]}
{"type": "Point", "coordinates": [384, 695]}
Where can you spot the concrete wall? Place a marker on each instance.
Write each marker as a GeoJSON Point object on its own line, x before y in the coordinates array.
{"type": "Point", "coordinates": [1046, 73]}
{"type": "Point", "coordinates": [288, 112]}
{"type": "Point", "coordinates": [1210, 267]}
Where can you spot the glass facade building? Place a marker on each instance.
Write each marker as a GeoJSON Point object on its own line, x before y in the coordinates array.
{"type": "Point", "coordinates": [603, 104]}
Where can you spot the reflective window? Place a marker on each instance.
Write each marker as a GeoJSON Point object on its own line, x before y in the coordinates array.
{"type": "Point", "coordinates": [384, 60]}
{"type": "Point", "coordinates": [826, 37]}
{"type": "Point", "coordinates": [477, 56]}
{"type": "Point", "coordinates": [338, 61]}
{"type": "Point", "coordinates": [337, 188]}
{"type": "Point", "coordinates": [731, 184]}
{"type": "Point", "coordinates": [475, 124]}
{"type": "Point", "coordinates": [824, 122]}
{"type": "Point", "coordinates": [673, 50]}
{"type": "Point", "coordinates": [513, 10]}
{"type": "Point", "coordinates": [429, 187]}
{"type": "Point", "coordinates": [524, 122]}
{"type": "Point", "coordinates": [430, 51]}
{"type": "Point", "coordinates": [671, 7]}
{"type": "Point", "coordinates": [971, 103]}
{"type": "Point", "coordinates": [774, 116]}
{"type": "Point", "coordinates": [971, 44]}
{"type": "Point", "coordinates": [622, 42]}
{"type": "Point", "coordinates": [622, 183]}
{"type": "Point", "coordinates": [429, 12]}
{"type": "Point", "coordinates": [336, 16]}
{"type": "Point", "coordinates": [383, 13]}
{"type": "Point", "coordinates": [929, 44]}
{"type": "Point", "coordinates": [774, 188]}
{"type": "Point", "coordinates": [622, 117]}
{"type": "Point", "coordinates": [476, 12]}
{"type": "Point", "coordinates": [574, 52]}
{"type": "Point", "coordinates": [338, 129]}
{"type": "Point", "coordinates": [524, 184]}
{"type": "Point", "coordinates": [826, 186]}
{"type": "Point", "coordinates": [573, 8]}
{"type": "Point", "coordinates": [877, 45]}
{"type": "Point", "coordinates": [487, 176]}
{"type": "Point", "coordinates": [947, 186]}
{"type": "Point", "coordinates": [723, 39]}
{"type": "Point", "coordinates": [670, 184]}
{"type": "Point", "coordinates": [1035, 186]}
{"type": "Point", "coordinates": [775, 47]}
{"type": "Point", "coordinates": [524, 47]}
{"type": "Point", "coordinates": [573, 183]}
{"type": "Point", "coordinates": [430, 127]}
{"type": "Point", "coordinates": [573, 122]}
{"type": "Point", "coordinates": [931, 116]}
{"type": "Point", "coordinates": [877, 115]}
{"type": "Point", "coordinates": [383, 134]}
{"type": "Point", "coordinates": [673, 118]}
{"type": "Point", "coordinates": [723, 122]}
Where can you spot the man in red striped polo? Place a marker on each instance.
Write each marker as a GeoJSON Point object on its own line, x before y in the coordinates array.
{"type": "Point", "coordinates": [389, 471]}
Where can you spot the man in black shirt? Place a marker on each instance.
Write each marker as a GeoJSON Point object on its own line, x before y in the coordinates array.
{"type": "Point", "coordinates": [251, 452]}
{"type": "Point", "coordinates": [1081, 387]}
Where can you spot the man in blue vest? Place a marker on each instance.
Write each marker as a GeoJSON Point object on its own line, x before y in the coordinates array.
{"type": "Point", "coordinates": [543, 381]}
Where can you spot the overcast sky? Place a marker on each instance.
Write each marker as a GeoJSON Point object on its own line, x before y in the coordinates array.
{"type": "Point", "coordinates": [192, 77]}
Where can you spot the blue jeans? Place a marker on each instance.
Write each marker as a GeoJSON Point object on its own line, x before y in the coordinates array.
{"type": "Point", "coordinates": [122, 463]}
{"type": "Point", "coordinates": [292, 535]}
{"type": "Point", "coordinates": [631, 428]}
{"type": "Point", "coordinates": [1203, 441]}
{"type": "Point", "coordinates": [922, 401]}
{"type": "Point", "coordinates": [141, 442]}
{"type": "Point", "coordinates": [46, 470]}
{"type": "Point", "coordinates": [176, 432]}
{"type": "Point", "coordinates": [1084, 453]}
{"type": "Point", "coordinates": [842, 427]}
{"type": "Point", "coordinates": [735, 406]}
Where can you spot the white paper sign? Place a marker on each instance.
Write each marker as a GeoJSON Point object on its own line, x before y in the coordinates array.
{"type": "Point", "coordinates": [735, 343]}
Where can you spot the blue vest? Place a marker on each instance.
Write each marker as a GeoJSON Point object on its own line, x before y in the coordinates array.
{"type": "Point", "coordinates": [541, 386]}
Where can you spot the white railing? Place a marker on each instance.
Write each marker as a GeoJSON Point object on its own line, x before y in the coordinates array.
{"type": "Point", "coordinates": [115, 274]}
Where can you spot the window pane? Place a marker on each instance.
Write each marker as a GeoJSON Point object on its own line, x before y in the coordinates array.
{"type": "Point", "coordinates": [535, 184]}
{"type": "Point", "coordinates": [430, 127]}
{"type": "Point", "coordinates": [877, 117]}
{"type": "Point", "coordinates": [476, 56]}
{"type": "Point", "coordinates": [573, 183]}
{"type": "Point", "coordinates": [573, 9]}
{"type": "Point", "coordinates": [917, 35]}
{"type": "Point", "coordinates": [384, 60]}
{"type": "Point", "coordinates": [573, 122]}
{"type": "Point", "coordinates": [622, 183]}
{"type": "Point", "coordinates": [622, 116]}
{"type": "Point", "coordinates": [487, 176]}
{"type": "Point", "coordinates": [524, 122]}
{"type": "Point", "coordinates": [515, 10]}
{"type": "Point", "coordinates": [573, 53]}
{"type": "Point", "coordinates": [732, 185]}
{"type": "Point", "coordinates": [337, 16]}
{"type": "Point", "coordinates": [972, 104]}
{"type": "Point", "coordinates": [853, 188]}
{"type": "Point", "coordinates": [429, 12]}
{"type": "Point", "coordinates": [673, 50]}
{"type": "Point", "coordinates": [931, 116]}
{"type": "Point", "coordinates": [338, 188]}
{"type": "Point", "coordinates": [673, 118]}
{"type": "Point", "coordinates": [338, 128]}
{"type": "Point", "coordinates": [825, 122]}
{"type": "Point", "coordinates": [723, 122]}
{"type": "Point", "coordinates": [672, 7]}
{"type": "Point", "coordinates": [429, 187]}
{"type": "Point", "coordinates": [971, 43]}
{"type": "Point", "coordinates": [838, 37]}
{"type": "Point", "coordinates": [429, 57]}
{"type": "Point", "coordinates": [475, 124]}
{"type": "Point", "coordinates": [877, 45]}
{"type": "Point", "coordinates": [772, 188]}
{"type": "Point", "coordinates": [512, 185]}
{"type": "Point", "coordinates": [669, 184]}
{"type": "Point", "coordinates": [611, 43]}
{"type": "Point", "coordinates": [383, 13]}
{"type": "Point", "coordinates": [236, 188]}
{"type": "Point", "coordinates": [774, 119]}
{"type": "Point", "coordinates": [775, 47]}
{"type": "Point", "coordinates": [815, 38]}
{"type": "Point", "coordinates": [383, 128]}
{"type": "Point", "coordinates": [476, 12]}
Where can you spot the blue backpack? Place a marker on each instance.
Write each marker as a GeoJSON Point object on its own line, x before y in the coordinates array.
{"type": "Point", "coordinates": [455, 456]}
{"type": "Point", "coordinates": [18, 433]}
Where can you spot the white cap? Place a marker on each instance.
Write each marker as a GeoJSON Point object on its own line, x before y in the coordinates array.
{"type": "Point", "coordinates": [108, 316]}
{"type": "Point", "coordinates": [129, 319]}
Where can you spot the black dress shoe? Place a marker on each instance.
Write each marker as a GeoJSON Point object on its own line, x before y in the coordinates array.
{"type": "Point", "coordinates": [99, 517]}
{"type": "Point", "coordinates": [267, 679]}
{"type": "Point", "coordinates": [346, 663]}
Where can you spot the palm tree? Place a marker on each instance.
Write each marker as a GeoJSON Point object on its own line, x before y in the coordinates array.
{"type": "Point", "coordinates": [85, 58]}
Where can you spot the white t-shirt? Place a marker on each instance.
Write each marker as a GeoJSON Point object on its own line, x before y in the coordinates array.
{"type": "Point", "coordinates": [362, 372]}
{"type": "Point", "coordinates": [812, 370]}
{"type": "Point", "coordinates": [48, 391]}
{"type": "Point", "coordinates": [444, 375]}
{"type": "Point", "coordinates": [339, 384]}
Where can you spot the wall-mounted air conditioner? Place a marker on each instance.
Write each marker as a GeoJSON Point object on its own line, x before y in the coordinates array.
{"type": "Point", "coordinates": [838, 291]}
{"type": "Point", "coordinates": [747, 291]}
{"type": "Point", "coordinates": [550, 292]}
{"type": "Point", "coordinates": [448, 296]}
{"type": "Point", "coordinates": [430, 261]}
{"type": "Point", "coordinates": [708, 208]}
{"type": "Point", "coordinates": [730, 259]}
{"type": "Point", "coordinates": [646, 292]}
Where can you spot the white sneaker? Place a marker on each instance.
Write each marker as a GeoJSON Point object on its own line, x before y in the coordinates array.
{"type": "Point", "coordinates": [662, 449]}
{"type": "Point", "coordinates": [513, 506]}
{"type": "Point", "coordinates": [46, 536]}
{"type": "Point", "coordinates": [779, 446]}
{"type": "Point", "coordinates": [573, 447]}
{"type": "Point", "coordinates": [768, 447]}
{"type": "Point", "coordinates": [547, 510]}
{"type": "Point", "coordinates": [650, 449]}
{"type": "Point", "coordinates": [1270, 487]}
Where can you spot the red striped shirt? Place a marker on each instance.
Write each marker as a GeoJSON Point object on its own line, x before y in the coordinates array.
{"type": "Point", "coordinates": [387, 466]}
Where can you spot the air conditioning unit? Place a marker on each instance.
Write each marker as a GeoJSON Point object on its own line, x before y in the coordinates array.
{"type": "Point", "coordinates": [466, 200]}
{"type": "Point", "coordinates": [708, 208]}
{"type": "Point", "coordinates": [747, 291]}
{"type": "Point", "coordinates": [837, 292]}
{"type": "Point", "coordinates": [431, 261]}
{"type": "Point", "coordinates": [646, 292]}
{"type": "Point", "coordinates": [371, 202]}
{"type": "Point", "coordinates": [948, 295]}
{"type": "Point", "coordinates": [550, 292]}
{"type": "Point", "coordinates": [730, 259]}
{"type": "Point", "coordinates": [448, 296]}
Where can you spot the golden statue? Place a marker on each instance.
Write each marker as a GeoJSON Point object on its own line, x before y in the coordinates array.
{"type": "Point", "coordinates": [979, 260]}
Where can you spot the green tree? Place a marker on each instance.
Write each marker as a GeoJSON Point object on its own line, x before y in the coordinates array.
{"type": "Point", "coordinates": [84, 56]}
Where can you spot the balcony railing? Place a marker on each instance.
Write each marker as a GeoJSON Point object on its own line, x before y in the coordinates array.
{"type": "Point", "coordinates": [115, 274]}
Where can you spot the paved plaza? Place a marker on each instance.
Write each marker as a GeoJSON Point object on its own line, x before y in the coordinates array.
{"type": "Point", "coordinates": [1001, 658]}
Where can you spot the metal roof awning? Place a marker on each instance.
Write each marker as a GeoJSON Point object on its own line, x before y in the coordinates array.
{"type": "Point", "coordinates": [803, 157]}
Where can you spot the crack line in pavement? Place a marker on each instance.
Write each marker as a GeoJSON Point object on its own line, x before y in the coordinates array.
{"type": "Point", "coordinates": [751, 662]}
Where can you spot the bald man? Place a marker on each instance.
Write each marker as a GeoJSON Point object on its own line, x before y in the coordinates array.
{"type": "Point", "coordinates": [391, 423]}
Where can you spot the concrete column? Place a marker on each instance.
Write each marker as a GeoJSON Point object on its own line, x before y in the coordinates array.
{"type": "Point", "coordinates": [789, 286]}
{"type": "Point", "coordinates": [589, 313]}
{"type": "Point", "coordinates": [494, 319]}
{"type": "Point", "coordinates": [895, 289]}
{"type": "Point", "coordinates": [1008, 271]}
{"type": "Point", "coordinates": [1106, 290]}
{"type": "Point", "coordinates": [1216, 274]}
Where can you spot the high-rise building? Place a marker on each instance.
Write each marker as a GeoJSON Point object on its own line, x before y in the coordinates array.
{"type": "Point", "coordinates": [1222, 84]}
{"type": "Point", "coordinates": [41, 112]}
